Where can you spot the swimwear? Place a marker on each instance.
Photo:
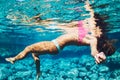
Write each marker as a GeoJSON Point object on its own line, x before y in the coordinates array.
{"type": "Point", "coordinates": [81, 34]}
{"type": "Point", "coordinates": [57, 45]}
{"type": "Point", "coordinates": [81, 31]}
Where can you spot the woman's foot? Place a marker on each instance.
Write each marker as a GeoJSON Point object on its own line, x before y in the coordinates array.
{"type": "Point", "coordinates": [11, 60]}
{"type": "Point", "coordinates": [38, 76]}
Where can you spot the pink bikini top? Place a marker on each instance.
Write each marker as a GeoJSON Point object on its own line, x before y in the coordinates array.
{"type": "Point", "coordinates": [81, 31]}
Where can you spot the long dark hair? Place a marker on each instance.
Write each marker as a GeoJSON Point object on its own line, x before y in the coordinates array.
{"type": "Point", "coordinates": [104, 43]}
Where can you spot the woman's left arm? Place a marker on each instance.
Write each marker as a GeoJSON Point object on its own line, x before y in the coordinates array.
{"type": "Point", "coordinates": [93, 46]}
{"type": "Point", "coordinates": [99, 57]}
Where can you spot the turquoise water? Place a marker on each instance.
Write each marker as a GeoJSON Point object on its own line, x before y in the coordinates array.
{"type": "Point", "coordinates": [73, 63]}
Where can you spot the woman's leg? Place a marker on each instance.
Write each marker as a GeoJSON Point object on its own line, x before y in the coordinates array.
{"type": "Point", "coordinates": [21, 55]}
{"type": "Point", "coordinates": [37, 63]}
{"type": "Point", "coordinates": [38, 48]}
{"type": "Point", "coordinates": [46, 47]}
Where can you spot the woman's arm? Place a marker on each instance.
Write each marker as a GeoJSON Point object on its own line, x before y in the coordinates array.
{"type": "Point", "coordinates": [91, 19]}
{"type": "Point", "coordinates": [89, 8]}
{"type": "Point", "coordinates": [93, 45]}
{"type": "Point", "coordinates": [99, 56]}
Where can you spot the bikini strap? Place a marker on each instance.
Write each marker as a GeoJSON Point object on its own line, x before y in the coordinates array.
{"type": "Point", "coordinates": [57, 45]}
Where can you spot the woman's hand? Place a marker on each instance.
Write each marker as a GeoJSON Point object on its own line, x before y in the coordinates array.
{"type": "Point", "coordinates": [100, 57]}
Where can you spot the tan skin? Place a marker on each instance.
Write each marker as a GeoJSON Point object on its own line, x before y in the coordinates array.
{"type": "Point", "coordinates": [70, 37]}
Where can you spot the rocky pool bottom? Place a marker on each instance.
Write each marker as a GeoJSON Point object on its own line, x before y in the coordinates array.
{"type": "Point", "coordinates": [76, 68]}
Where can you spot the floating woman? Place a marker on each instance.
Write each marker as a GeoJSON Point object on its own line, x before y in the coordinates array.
{"type": "Point", "coordinates": [89, 32]}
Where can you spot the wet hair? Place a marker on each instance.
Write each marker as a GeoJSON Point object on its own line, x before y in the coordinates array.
{"type": "Point", "coordinates": [104, 43]}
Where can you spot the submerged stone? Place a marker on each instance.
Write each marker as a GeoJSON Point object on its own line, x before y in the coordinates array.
{"type": "Point", "coordinates": [103, 69]}
{"type": "Point", "coordinates": [82, 74]}
{"type": "Point", "coordinates": [101, 78]}
{"type": "Point", "coordinates": [20, 0]}
{"type": "Point", "coordinates": [82, 69]}
{"type": "Point", "coordinates": [73, 73]}
{"type": "Point", "coordinates": [93, 76]}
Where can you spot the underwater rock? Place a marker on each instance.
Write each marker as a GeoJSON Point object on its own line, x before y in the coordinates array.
{"type": "Point", "coordinates": [29, 63]}
{"type": "Point", "coordinates": [23, 74]}
{"type": "Point", "coordinates": [15, 78]}
{"type": "Point", "coordinates": [89, 73]}
{"type": "Point", "coordinates": [4, 73]}
{"type": "Point", "coordinates": [4, 52]}
{"type": "Point", "coordinates": [85, 78]}
{"type": "Point", "coordinates": [73, 73]}
{"type": "Point", "coordinates": [69, 79]}
{"type": "Point", "coordinates": [43, 75]}
{"type": "Point", "coordinates": [86, 61]}
{"type": "Point", "coordinates": [63, 74]}
{"type": "Point", "coordinates": [5, 65]}
{"type": "Point", "coordinates": [115, 74]}
{"type": "Point", "coordinates": [118, 78]}
{"type": "Point", "coordinates": [57, 78]}
{"type": "Point", "coordinates": [20, 0]}
{"type": "Point", "coordinates": [113, 79]}
{"type": "Point", "coordinates": [83, 59]}
{"type": "Point", "coordinates": [93, 76]}
{"type": "Point", "coordinates": [75, 60]}
{"type": "Point", "coordinates": [61, 69]}
{"type": "Point", "coordinates": [101, 78]}
{"type": "Point", "coordinates": [19, 67]}
{"type": "Point", "coordinates": [47, 64]}
{"type": "Point", "coordinates": [64, 65]}
{"type": "Point", "coordinates": [49, 78]}
{"type": "Point", "coordinates": [77, 79]}
{"type": "Point", "coordinates": [82, 74]}
{"type": "Point", "coordinates": [82, 69]}
{"type": "Point", "coordinates": [103, 69]}
{"type": "Point", "coordinates": [88, 66]}
{"type": "Point", "coordinates": [94, 68]}
{"type": "Point", "coordinates": [73, 65]}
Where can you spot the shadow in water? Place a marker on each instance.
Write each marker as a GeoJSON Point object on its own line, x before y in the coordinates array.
{"type": "Point", "coordinates": [113, 65]}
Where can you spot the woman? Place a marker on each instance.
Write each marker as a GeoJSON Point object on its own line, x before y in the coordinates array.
{"type": "Point", "coordinates": [85, 32]}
